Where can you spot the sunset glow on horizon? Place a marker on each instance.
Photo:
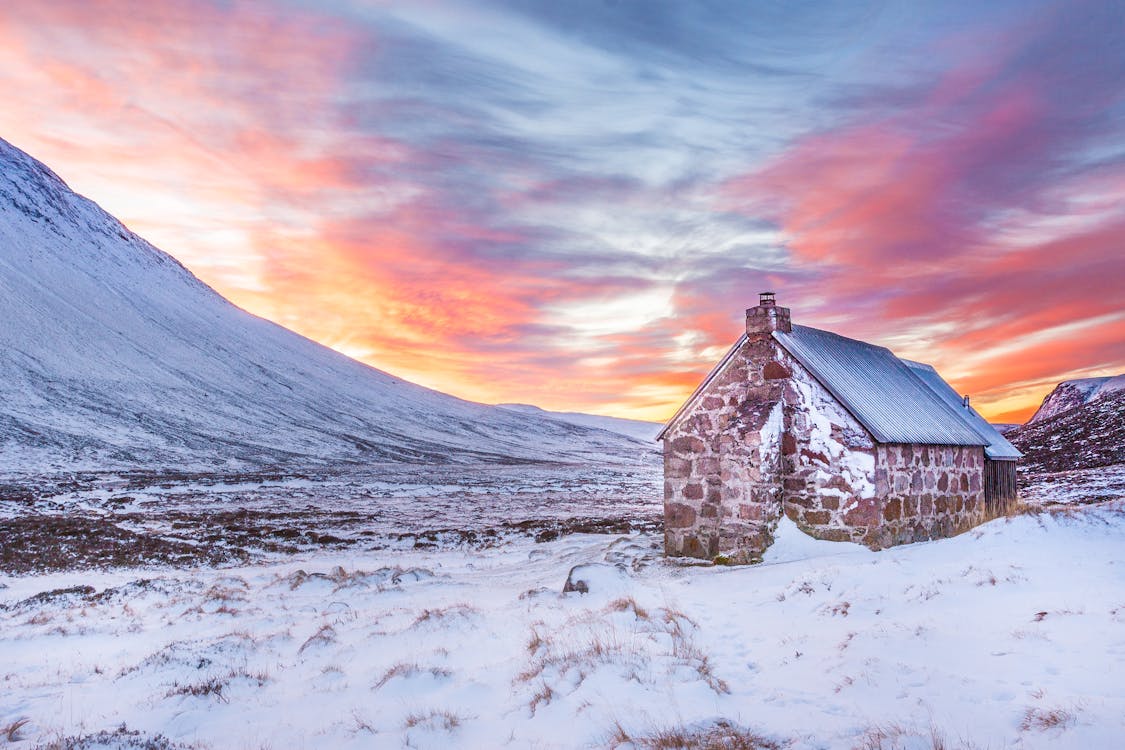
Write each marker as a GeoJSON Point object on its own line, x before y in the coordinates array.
{"type": "Point", "coordinates": [570, 205]}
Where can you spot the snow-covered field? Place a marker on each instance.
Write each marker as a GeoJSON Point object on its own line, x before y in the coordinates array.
{"type": "Point", "coordinates": [1073, 487]}
{"type": "Point", "coordinates": [1012, 635]}
{"type": "Point", "coordinates": [93, 520]}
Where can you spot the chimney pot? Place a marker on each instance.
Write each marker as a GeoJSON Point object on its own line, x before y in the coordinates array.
{"type": "Point", "coordinates": [767, 317]}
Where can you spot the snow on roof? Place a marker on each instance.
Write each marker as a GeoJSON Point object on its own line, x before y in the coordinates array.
{"type": "Point", "coordinates": [898, 401]}
{"type": "Point", "coordinates": [999, 448]}
{"type": "Point", "coordinates": [887, 398]}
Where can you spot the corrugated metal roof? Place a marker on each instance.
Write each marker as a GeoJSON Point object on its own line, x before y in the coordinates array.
{"type": "Point", "coordinates": [887, 398]}
{"type": "Point", "coordinates": [999, 449]}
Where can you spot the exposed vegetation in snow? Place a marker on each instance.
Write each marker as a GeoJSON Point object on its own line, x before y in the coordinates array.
{"type": "Point", "coordinates": [1002, 637]}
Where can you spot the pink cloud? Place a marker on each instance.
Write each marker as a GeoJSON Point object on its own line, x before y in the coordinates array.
{"type": "Point", "coordinates": [923, 220]}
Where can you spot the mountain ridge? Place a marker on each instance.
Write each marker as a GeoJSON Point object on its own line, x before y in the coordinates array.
{"type": "Point", "coordinates": [1072, 393]}
{"type": "Point", "coordinates": [114, 355]}
{"type": "Point", "coordinates": [1086, 436]}
{"type": "Point", "coordinates": [634, 428]}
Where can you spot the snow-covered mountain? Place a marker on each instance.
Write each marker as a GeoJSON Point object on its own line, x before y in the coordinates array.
{"type": "Point", "coordinates": [634, 428]}
{"type": "Point", "coordinates": [1086, 436]}
{"type": "Point", "coordinates": [113, 355]}
{"type": "Point", "coordinates": [1073, 393]}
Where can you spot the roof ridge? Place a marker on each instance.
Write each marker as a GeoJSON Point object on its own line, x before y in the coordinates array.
{"type": "Point", "coordinates": [892, 402]}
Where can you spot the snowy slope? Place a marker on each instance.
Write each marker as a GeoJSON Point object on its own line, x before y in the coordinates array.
{"type": "Point", "coordinates": [634, 428]}
{"type": "Point", "coordinates": [1073, 393]}
{"type": "Point", "coordinates": [1086, 436]}
{"type": "Point", "coordinates": [112, 354]}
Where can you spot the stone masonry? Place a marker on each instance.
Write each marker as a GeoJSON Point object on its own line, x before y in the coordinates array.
{"type": "Point", "coordinates": [763, 437]}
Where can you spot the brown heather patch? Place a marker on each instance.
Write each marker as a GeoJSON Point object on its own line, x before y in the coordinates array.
{"type": "Point", "coordinates": [45, 543]}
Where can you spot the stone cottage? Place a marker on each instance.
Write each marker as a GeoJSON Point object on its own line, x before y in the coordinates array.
{"type": "Point", "coordinates": [849, 441]}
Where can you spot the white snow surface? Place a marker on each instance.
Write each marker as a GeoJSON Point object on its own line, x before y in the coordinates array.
{"type": "Point", "coordinates": [112, 354]}
{"type": "Point", "coordinates": [1011, 636]}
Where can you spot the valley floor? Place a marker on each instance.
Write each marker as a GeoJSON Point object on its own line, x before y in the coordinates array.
{"type": "Point", "coordinates": [1010, 636]}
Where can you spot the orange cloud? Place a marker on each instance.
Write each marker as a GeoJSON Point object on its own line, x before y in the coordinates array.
{"type": "Point", "coordinates": [226, 133]}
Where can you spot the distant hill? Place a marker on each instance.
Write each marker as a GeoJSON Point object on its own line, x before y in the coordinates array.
{"type": "Point", "coordinates": [1071, 393]}
{"type": "Point", "coordinates": [634, 428]}
{"type": "Point", "coordinates": [1089, 434]}
{"type": "Point", "coordinates": [113, 355]}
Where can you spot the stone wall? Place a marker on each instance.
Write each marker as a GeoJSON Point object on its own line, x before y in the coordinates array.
{"type": "Point", "coordinates": [830, 460]}
{"type": "Point", "coordinates": [722, 460]}
{"type": "Point", "coordinates": [927, 492]}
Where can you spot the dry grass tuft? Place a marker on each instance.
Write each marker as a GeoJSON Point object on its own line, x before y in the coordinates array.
{"type": "Point", "coordinates": [362, 724]}
{"type": "Point", "coordinates": [535, 642]}
{"type": "Point", "coordinates": [212, 686]}
{"type": "Point", "coordinates": [1043, 720]}
{"type": "Point", "coordinates": [236, 592]}
{"type": "Point", "coordinates": [544, 695]}
{"type": "Point", "coordinates": [405, 671]}
{"type": "Point", "coordinates": [900, 737]}
{"type": "Point", "coordinates": [561, 662]}
{"type": "Point", "coordinates": [11, 732]}
{"type": "Point", "coordinates": [689, 654]}
{"type": "Point", "coordinates": [720, 735]}
{"type": "Point", "coordinates": [1018, 507]}
{"type": "Point", "coordinates": [322, 637]}
{"type": "Point", "coordinates": [434, 719]}
{"type": "Point", "coordinates": [445, 613]}
{"type": "Point", "coordinates": [626, 604]}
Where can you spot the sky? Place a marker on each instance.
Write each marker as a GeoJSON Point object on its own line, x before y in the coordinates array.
{"type": "Point", "coordinates": [572, 204]}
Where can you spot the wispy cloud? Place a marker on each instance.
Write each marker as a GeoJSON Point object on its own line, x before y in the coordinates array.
{"type": "Point", "coordinates": [976, 216]}
{"type": "Point", "coordinates": [571, 204]}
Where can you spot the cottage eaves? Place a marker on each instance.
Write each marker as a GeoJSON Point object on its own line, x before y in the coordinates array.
{"type": "Point", "coordinates": [999, 449]}
{"type": "Point", "coordinates": [893, 401]}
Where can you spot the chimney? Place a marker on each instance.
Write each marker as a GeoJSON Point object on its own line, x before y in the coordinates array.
{"type": "Point", "coordinates": [767, 317]}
